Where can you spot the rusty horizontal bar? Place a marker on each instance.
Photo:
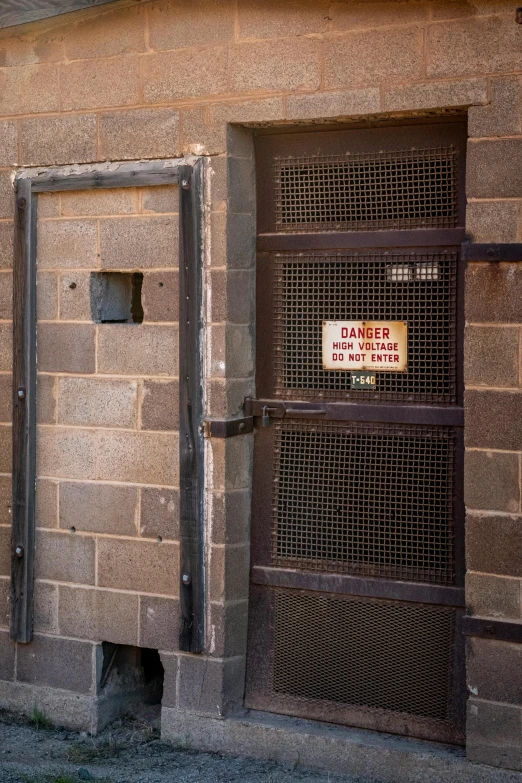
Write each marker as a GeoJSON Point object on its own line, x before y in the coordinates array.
{"type": "Point", "coordinates": [361, 239]}
{"type": "Point", "coordinates": [354, 411]}
{"type": "Point", "coordinates": [228, 428]}
{"type": "Point", "coordinates": [505, 251]}
{"type": "Point", "coordinates": [485, 628]}
{"type": "Point", "coordinates": [354, 585]}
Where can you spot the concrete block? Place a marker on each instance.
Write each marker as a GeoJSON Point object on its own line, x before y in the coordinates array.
{"type": "Point", "coordinates": [90, 402]}
{"type": "Point", "coordinates": [46, 503]}
{"type": "Point", "coordinates": [139, 243]}
{"type": "Point", "coordinates": [112, 82]}
{"type": "Point", "coordinates": [98, 508]}
{"type": "Point", "coordinates": [491, 356]}
{"type": "Point", "coordinates": [75, 296]}
{"type": "Point", "coordinates": [140, 133]}
{"type": "Point", "coordinates": [494, 670]}
{"type": "Point", "coordinates": [494, 168]}
{"type": "Point", "coordinates": [159, 513]}
{"type": "Point", "coordinates": [374, 57]}
{"type": "Point", "coordinates": [343, 103]}
{"type": "Point", "coordinates": [230, 516]}
{"type": "Point", "coordinates": [138, 457]}
{"type": "Point", "coordinates": [5, 589]}
{"type": "Point", "coordinates": [226, 398]}
{"type": "Point", "coordinates": [60, 663]}
{"type": "Point", "coordinates": [159, 623]}
{"type": "Point", "coordinates": [494, 544]}
{"type": "Point", "coordinates": [433, 95]}
{"type": "Point", "coordinates": [46, 394]}
{"type": "Point", "coordinates": [493, 734]}
{"type": "Point", "coordinates": [160, 199]}
{"type": "Point", "coordinates": [191, 73]}
{"type": "Point", "coordinates": [65, 557]}
{"type": "Point", "coordinates": [66, 347]}
{"type": "Point", "coordinates": [492, 481]}
{"type": "Point", "coordinates": [233, 296]}
{"type": "Point", "coordinates": [6, 295]}
{"type": "Point", "coordinates": [48, 205]}
{"type": "Point", "coordinates": [8, 143]}
{"type": "Point", "coordinates": [6, 347]}
{"type": "Point", "coordinates": [5, 550]}
{"type": "Point", "coordinates": [137, 350]}
{"type": "Point", "coordinates": [6, 245]}
{"type": "Point", "coordinates": [6, 197]}
{"type": "Point", "coordinates": [160, 296]}
{"type": "Point", "coordinates": [7, 656]}
{"type": "Point", "coordinates": [88, 203]}
{"type": "Point", "coordinates": [261, 19]}
{"type": "Point", "coordinates": [486, 45]}
{"type": "Point", "coordinates": [99, 615]}
{"type": "Point", "coordinates": [94, 37]}
{"type": "Point", "coordinates": [67, 244]}
{"type": "Point", "coordinates": [232, 462]}
{"type": "Point", "coordinates": [493, 419]}
{"type": "Point", "coordinates": [493, 221]}
{"type": "Point", "coordinates": [228, 628]}
{"type": "Point", "coordinates": [286, 65]}
{"type": "Point", "coordinates": [142, 566]}
{"type": "Point", "coordinates": [200, 134]}
{"type": "Point", "coordinates": [229, 573]}
{"type": "Point", "coordinates": [262, 110]}
{"type": "Point", "coordinates": [45, 608]}
{"type": "Point", "coordinates": [66, 452]}
{"type": "Point", "coordinates": [170, 680]}
{"type": "Point", "coordinates": [5, 500]}
{"type": "Point", "coordinates": [160, 405]}
{"type": "Point", "coordinates": [58, 140]}
{"type": "Point", "coordinates": [29, 89]}
{"type": "Point", "coordinates": [210, 687]}
{"type": "Point", "coordinates": [46, 296]}
{"type": "Point", "coordinates": [6, 398]}
{"type": "Point", "coordinates": [62, 708]}
{"type": "Point", "coordinates": [354, 15]}
{"type": "Point", "coordinates": [503, 116]}
{"type": "Point", "coordinates": [493, 596]}
{"type": "Point", "coordinates": [5, 448]}
{"type": "Point", "coordinates": [173, 24]}
{"type": "Point", "coordinates": [494, 293]}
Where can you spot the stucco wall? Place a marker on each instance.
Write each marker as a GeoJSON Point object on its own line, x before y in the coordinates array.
{"type": "Point", "coordinates": [163, 79]}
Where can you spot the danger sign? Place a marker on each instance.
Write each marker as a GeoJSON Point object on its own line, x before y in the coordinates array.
{"type": "Point", "coordinates": [380, 346]}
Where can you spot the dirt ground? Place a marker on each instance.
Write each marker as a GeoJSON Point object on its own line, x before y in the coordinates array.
{"type": "Point", "coordinates": [129, 751]}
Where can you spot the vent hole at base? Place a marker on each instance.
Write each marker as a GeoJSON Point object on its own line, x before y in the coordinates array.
{"type": "Point", "coordinates": [131, 684]}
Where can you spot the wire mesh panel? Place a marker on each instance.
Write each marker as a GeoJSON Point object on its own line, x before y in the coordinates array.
{"type": "Point", "coordinates": [367, 499]}
{"type": "Point", "coordinates": [417, 287]}
{"type": "Point", "coordinates": [367, 653]}
{"type": "Point", "coordinates": [401, 189]}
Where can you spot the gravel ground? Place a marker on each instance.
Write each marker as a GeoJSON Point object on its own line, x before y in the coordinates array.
{"type": "Point", "coordinates": [129, 751]}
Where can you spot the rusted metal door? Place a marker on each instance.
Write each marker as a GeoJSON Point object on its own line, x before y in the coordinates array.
{"type": "Point", "coordinates": [357, 520]}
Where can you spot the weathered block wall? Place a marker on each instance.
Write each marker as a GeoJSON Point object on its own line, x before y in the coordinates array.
{"type": "Point", "coordinates": [165, 78]}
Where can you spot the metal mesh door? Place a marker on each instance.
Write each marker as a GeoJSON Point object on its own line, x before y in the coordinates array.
{"type": "Point", "coordinates": [357, 556]}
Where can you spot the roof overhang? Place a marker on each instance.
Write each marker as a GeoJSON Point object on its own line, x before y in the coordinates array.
{"type": "Point", "coordinates": [14, 12]}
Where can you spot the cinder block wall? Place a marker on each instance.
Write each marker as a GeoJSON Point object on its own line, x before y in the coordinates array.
{"type": "Point", "coordinates": [160, 79]}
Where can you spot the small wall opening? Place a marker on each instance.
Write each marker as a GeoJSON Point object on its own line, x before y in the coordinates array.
{"type": "Point", "coordinates": [131, 683]}
{"type": "Point", "coordinates": [116, 297]}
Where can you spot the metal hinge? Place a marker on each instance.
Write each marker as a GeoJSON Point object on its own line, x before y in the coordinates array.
{"type": "Point", "coordinates": [227, 428]}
